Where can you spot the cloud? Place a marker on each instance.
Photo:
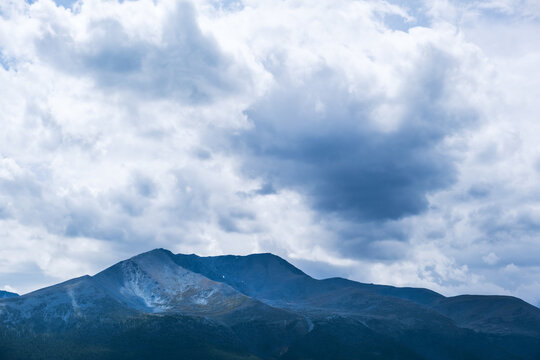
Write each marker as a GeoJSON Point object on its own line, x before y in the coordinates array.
{"type": "Point", "coordinates": [320, 139]}
{"type": "Point", "coordinates": [174, 59]}
{"type": "Point", "coordinates": [361, 136]}
{"type": "Point", "coordinates": [490, 259]}
{"type": "Point", "coordinates": [389, 142]}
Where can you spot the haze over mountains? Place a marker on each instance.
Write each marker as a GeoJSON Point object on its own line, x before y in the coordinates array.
{"type": "Point", "coordinates": [162, 305]}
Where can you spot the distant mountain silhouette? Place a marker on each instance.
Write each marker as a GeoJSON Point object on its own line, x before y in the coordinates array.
{"type": "Point", "coordinates": [166, 306]}
{"type": "Point", "coordinates": [7, 294]}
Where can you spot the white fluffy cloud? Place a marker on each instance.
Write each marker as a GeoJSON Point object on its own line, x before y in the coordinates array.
{"type": "Point", "coordinates": [390, 142]}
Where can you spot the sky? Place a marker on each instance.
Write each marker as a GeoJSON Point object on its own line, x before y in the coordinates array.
{"type": "Point", "coordinates": [391, 142]}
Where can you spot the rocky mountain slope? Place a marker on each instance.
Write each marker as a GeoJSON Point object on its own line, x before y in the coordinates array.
{"type": "Point", "coordinates": [162, 305]}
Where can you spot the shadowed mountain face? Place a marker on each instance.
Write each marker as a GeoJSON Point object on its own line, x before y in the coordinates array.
{"type": "Point", "coordinates": [7, 294]}
{"type": "Point", "coordinates": [161, 305]}
{"type": "Point", "coordinates": [270, 278]}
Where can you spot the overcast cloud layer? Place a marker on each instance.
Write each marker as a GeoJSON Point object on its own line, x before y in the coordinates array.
{"type": "Point", "coordinates": [390, 142]}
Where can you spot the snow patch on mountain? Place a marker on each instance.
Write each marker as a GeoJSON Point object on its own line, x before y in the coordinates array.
{"type": "Point", "coordinates": [310, 323]}
{"type": "Point", "coordinates": [202, 297]}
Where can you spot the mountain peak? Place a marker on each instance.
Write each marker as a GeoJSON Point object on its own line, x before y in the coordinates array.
{"type": "Point", "coordinates": [153, 282]}
{"type": "Point", "coordinates": [158, 252]}
{"type": "Point", "coordinates": [268, 261]}
{"type": "Point", "coordinates": [263, 276]}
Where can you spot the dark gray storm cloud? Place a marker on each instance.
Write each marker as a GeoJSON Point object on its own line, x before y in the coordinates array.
{"type": "Point", "coordinates": [320, 139]}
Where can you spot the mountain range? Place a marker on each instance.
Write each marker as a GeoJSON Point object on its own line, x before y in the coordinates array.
{"type": "Point", "coordinates": [160, 305]}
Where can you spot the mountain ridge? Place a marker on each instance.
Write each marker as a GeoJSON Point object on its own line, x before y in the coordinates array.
{"type": "Point", "coordinates": [259, 306]}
